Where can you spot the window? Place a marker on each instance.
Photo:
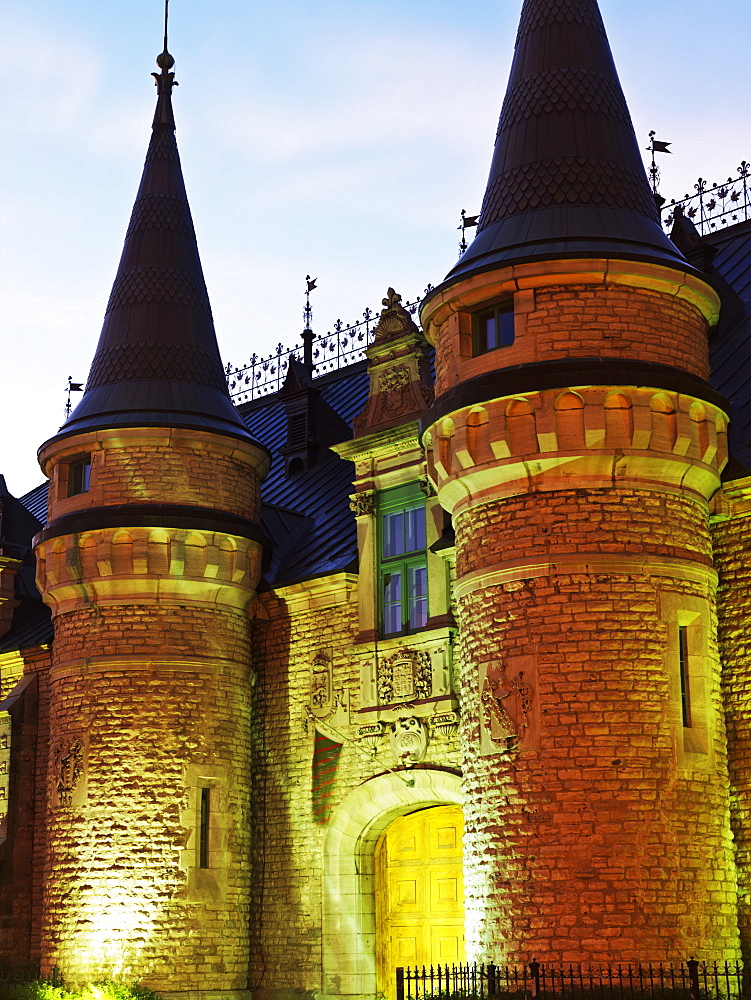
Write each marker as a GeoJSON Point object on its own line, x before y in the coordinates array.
{"type": "Point", "coordinates": [684, 675]}
{"type": "Point", "coordinates": [203, 828]}
{"type": "Point", "coordinates": [79, 474]}
{"type": "Point", "coordinates": [403, 574]}
{"type": "Point", "coordinates": [494, 327]}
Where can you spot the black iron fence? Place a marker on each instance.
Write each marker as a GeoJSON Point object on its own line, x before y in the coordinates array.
{"type": "Point", "coordinates": [713, 206]}
{"type": "Point", "coordinates": [691, 980]}
{"type": "Point", "coordinates": [340, 347]}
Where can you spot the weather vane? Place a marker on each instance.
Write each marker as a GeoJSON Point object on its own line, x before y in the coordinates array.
{"type": "Point", "coordinates": [468, 221]}
{"type": "Point", "coordinates": [310, 284]}
{"type": "Point", "coordinates": [71, 387]}
{"type": "Point", "coordinates": [656, 146]}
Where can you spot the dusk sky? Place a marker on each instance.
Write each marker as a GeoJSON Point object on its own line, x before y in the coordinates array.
{"type": "Point", "coordinates": [331, 138]}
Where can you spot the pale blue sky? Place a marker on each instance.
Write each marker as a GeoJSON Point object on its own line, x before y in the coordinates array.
{"type": "Point", "coordinates": [336, 139]}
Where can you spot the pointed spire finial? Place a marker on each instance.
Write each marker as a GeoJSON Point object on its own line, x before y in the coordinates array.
{"type": "Point", "coordinates": [165, 81]}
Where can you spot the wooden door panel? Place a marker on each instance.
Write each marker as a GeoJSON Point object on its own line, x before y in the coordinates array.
{"type": "Point", "coordinates": [445, 836]}
{"type": "Point", "coordinates": [446, 891]}
{"type": "Point", "coordinates": [419, 893]}
{"type": "Point", "coordinates": [406, 891]}
{"type": "Point", "coordinates": [447, 943]}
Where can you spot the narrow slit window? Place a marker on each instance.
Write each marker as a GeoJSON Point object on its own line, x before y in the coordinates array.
{"type": "Point", "coordinates": [203, 832]}
{"type": "Point", "coordinates": [684, 675]}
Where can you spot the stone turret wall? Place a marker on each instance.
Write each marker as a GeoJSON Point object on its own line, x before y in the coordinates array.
{"type": "Point", "coordinates": [575, 309]}
{"type": "Point", "coordinates": [150, 705]}
{"type": "Point", "coordinates": [609, 822]}
{"type": "Point", "coordinates": [158, 465]}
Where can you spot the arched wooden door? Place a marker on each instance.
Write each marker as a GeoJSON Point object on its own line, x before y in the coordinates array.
{"type": "Point", "coordinates": [419, 892]}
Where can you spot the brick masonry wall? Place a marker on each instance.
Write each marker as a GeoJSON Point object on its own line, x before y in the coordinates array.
{"type": "Point", "coordinates": [175, 475]}
{"type": "Point", "coordinates": [588, 320]}
{"type": "Point", "coordinates": [122, 878]}
{"type": "Point", "coordinates": [288, 842]}
{"type": "Point", "coordinates": [731, 540]}
{"type": "Point", "coordinates": [595, 840]}
{"type": "Point", "coordinates": [154, 465]}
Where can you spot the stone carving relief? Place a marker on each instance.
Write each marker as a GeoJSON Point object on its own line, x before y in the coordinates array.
{"type": "Point", "coordinates": [371, 735]}
{"type": "Point", "coordinates": [68, 772]}
{"type": "Point", "coordinates": [393, 378]}
{"type": "Point", "coordinates": [327, 703]}
{"type": "Point", "coordinates": [444, 723]}
{"type": "Point", "coordinates": [405, 676]}
{"type": "Point", "coordinates": [427, 488]}
{"type": "Point", "coordinates": [409, 740]}
{"type": "Point", "coordinates": [506, 705]}
{"type": "Point", "coordinates": [363, 504]}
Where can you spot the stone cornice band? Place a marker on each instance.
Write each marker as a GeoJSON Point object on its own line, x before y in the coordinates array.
{"type": "Point", "coordinates": [153, 516]}
{"type": "Point", "coordinates": [588, 563]}
{"type": "Point", "coordinates": [567, 374]}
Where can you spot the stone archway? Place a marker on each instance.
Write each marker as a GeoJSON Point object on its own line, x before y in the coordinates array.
{"type": "Point", "coordinates": [349, 961]}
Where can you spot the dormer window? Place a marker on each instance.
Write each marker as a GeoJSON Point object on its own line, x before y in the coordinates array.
{"type": "Point", "coordinates": [79, 475]}
{"type": "Point", "coordinates": [494, 327]}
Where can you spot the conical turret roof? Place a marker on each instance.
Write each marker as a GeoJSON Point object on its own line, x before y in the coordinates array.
{"type": "Point", "coordinates": [157, 362]}
{"type": "Point", "coordinates": [567, 178]}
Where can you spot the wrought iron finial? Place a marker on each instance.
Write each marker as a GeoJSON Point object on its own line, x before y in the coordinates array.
{"type": "Point", "coordinates": [310, 284]}
{"type": "Point", "coordinates": [656, 146]}
{"type": "Point", "coordinates": [468, 222]}
{"type": "Point", "coordinates": [71, 387]}
{"type": "Point", "coordinates": [165, 80]}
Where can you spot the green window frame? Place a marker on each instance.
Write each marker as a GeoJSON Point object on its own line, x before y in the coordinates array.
{"type": "Point", "coordinates": [494, 327]}
{"type": "Point", "coordinates": [402, 560]}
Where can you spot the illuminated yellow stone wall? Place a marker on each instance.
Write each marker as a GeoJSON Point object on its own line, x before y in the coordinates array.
{"type": "Point", "coordinates": [150, 701]}
{"type": "Point", "coordinates": [732, 545]}
{"type": "Point", "coordinates": [25, 693]}
{"type": "Point", "coordinates": [291, 926]}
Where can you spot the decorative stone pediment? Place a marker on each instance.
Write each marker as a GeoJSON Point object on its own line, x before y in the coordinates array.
{"type": "Point", "coordinates": [400, 382]}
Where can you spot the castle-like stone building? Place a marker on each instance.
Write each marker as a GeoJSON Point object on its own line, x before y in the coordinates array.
{"type": "Point", "coordinates": [445, 653]}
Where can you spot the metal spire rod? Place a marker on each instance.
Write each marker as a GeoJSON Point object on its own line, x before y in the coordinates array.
{"type": "Point", "coordinates": [166, 20]}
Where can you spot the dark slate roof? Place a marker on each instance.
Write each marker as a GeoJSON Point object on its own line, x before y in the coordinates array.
{"type": "Point", "coordinates": [35, 501]}
{"type": "Point", "coordinates": [157, 362]}
{"type": "Point", "coordinates": [31, 623]}
{"type": "Point", "coordinates": [307, 516]}
{"type": "Point", "coordinates": [567, 178]}
{"type": "Point", "coordinates": [730, 350]}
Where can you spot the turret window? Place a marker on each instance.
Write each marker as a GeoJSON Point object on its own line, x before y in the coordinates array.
{"type": "Point", "coordinates": [403, 575]}
{"type": "Point", "coordinates": [79, 475]}
{"type": "Point", "coordinates": [494, 327]}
